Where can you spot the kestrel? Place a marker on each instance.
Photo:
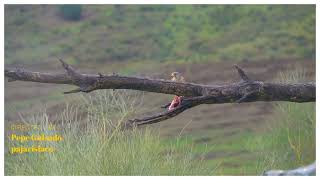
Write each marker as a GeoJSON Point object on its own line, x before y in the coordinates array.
{"type": "Point", "coordinates": [176, 77]}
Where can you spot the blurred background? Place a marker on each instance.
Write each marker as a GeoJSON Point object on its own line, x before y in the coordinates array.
{"type": "Point", "coordinates": [271, 43]}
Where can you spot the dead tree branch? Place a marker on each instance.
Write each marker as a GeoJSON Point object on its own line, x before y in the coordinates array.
{"type": "Point", "coordinates": [247, 90]}
{"type": "Point", "coordinates": [309, 170]}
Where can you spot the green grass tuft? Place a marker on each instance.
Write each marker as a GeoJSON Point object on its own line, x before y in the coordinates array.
{"type": "Point", "coordinates": [290, 138]}
{"type": "Point", "coordinates": [95, 145]}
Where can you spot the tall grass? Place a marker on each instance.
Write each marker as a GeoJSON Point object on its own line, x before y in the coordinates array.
{"type": "Point", "coordinates": [94, 144]}
{"type": "Point", "coordinates": [289, 141]}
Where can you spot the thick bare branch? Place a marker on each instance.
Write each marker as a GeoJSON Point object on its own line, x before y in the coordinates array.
{"type": "Point", "coordinates": [259, 91]}
{"type": "Point", "coordinates": [246, 90]}
{"type": "Point", "coordinates": [309, 170]}
{"type": "Point", "coordinates": [90, 82]}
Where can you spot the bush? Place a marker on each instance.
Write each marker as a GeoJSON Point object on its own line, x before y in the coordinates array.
{"type": "Point", "coordinates": [71, 12]}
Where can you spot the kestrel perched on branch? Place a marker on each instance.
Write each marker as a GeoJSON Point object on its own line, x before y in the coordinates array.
{"type": "Point", "coordinates": [176, 77]}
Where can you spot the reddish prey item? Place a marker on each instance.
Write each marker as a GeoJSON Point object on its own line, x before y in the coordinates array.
{"type": "Point", "coordinates": [175, 102]}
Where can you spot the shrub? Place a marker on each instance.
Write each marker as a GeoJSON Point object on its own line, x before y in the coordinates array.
{"type": "Point", "coordinates": [71, 12]}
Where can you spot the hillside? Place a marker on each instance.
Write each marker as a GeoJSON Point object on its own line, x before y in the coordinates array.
{"type": "Point", "coordinates": [195, 33]}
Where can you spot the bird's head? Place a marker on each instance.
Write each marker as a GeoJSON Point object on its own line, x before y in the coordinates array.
{"type": "Point", "coordinates": [175, 74]}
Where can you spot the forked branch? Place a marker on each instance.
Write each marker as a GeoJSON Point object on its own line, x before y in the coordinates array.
{"type": "Point", "coordinates": [247, 90]}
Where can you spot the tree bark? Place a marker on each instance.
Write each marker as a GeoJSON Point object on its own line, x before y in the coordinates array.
{"type": "Point", "coordinates": [247, 90]}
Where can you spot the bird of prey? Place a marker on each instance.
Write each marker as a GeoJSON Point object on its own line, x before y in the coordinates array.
{"type": "Point", "coordinates": [176, 77]}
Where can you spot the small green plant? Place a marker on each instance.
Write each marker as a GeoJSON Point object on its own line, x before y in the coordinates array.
{"type": "Point", "coordinates": [71, 12]}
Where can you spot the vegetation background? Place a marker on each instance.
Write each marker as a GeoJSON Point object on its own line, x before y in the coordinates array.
{"type": "Point", "coordinates": [271, 42]}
